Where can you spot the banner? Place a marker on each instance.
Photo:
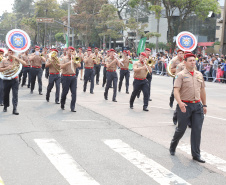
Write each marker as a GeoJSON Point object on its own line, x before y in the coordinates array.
{"type": "Point", "coordinates": [141, 45]}
{"type": "Point", "coordinates": [67, 43]}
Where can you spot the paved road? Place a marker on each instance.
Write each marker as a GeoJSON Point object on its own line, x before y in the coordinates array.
{"type": "Point", "coordinates": [107, 143]}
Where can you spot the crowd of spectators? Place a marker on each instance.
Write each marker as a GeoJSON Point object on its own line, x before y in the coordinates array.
{"type": "Point", "coordinates": [212, 66]}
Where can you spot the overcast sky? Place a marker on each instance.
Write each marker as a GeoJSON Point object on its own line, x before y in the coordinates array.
{"type": "Point", "coordinates": [6, 5]}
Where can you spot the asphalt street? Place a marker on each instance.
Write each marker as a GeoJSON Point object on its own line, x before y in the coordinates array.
{"type": "Point", "coordinates": [108, 143]}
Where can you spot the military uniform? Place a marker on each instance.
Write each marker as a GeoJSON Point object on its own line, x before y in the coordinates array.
{"type": "Point", "coordinates": [140, 83]}
{"type": "Point", "coordinates": [54, 77]}
{"type": "Point", "coordinates": [124, 72]}
{"type": "Point", "coordinates": [10, 84]}
{"type": "Point", "coordinates": [174, 62]}
{"type": "Point", "coordinates": [89, 73]}
{"type": "Point", "coordinates": [69, 81]}
{"type": "Point", "coordinates": [36, 71]}
{"type": "Point", "coordinates": [190, 88]}
{"type": "Point", "coordinates": [26, 70]}
{"type": "Point", "coordinates": [111, 77]}
{"type": "Point", "coordinates": [97, 66]}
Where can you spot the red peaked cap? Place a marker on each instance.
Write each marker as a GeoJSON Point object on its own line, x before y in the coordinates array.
{"type": "Point", "coordinates": [124, 51]}
{"type": "Point", "coordinates": [1, 50]}
{"type": "Point", "coordinates": [189, 55]}
{"type": "Point", "coordinates": [37, 47]}
{"type": "Point", "coordinates": [9, 49]}
{"type": "Point", "coordinates": [180, 50]}
{"type": "Point", "coordinates": [96, 48]}
{"type": "Point", "coordinates": [89, 49]}
{"type": "Point", "coordinates": [147, 49]}
{"type": "Point", "coordinates": [112, 50]}
{"type": "Point", "coordinates": [144, 54]}
{"type": "Point", "coordinates": [80, 48]}
{"type": "Point", "coordinates": [72, 48]}
{"type": "Point", "coordinates": [54, 50]}
{"type": "Point", "coordinates": [108, 51]}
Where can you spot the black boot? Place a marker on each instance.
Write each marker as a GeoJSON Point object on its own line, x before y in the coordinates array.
{"type": "Point", "coordinates": [15, 112]}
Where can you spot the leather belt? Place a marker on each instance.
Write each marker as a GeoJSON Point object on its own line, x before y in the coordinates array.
{"type": "Point", "coordinates": [89, 67]}
{"type": "Point", "coordinates": [124, 69]}
{"type": "Point", "coordinates": [68, 75]}
{"type": "Point", "coordinates": [140, 78]}
{"type": "Point", "coordinates": [186, 101]}
{"type": "Point", "coordinates": [54, 73]}
{"type": "Point", "coordinates": [111, 70]}
{"type": "Point", "coordinates": [36, 67]}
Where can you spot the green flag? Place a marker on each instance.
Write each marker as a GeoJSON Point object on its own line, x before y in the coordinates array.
{"type": "Point", "coordinates": [67, 43]}
{"type": "Point", "coordinates": [141, 45]}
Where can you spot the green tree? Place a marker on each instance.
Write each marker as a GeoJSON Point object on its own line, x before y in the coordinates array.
{"type": "Point", "coordinates": [109, 23]}
{"type": "Point", "coordinates": [60, 37]}
{"type": "Point", "coordinates": [185, 8]}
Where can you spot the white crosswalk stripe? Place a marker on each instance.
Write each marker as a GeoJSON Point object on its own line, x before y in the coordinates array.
{"type": "Point", "coordinates": [64, 163]}
{"type": "Point", "coordinates": [147, 165]}
{"type": "Point", "coordinates": [211, 159]}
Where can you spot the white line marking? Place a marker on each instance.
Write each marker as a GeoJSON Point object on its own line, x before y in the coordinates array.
{"type": "Point", "coordinates": [83, 120]}
{"type": "Point", "coordinates": [148, 166]}
{"type": "Point", "coordinates": [215, 117]}
{"type": "Point", "coordinates": [211, 159]}
{"type": "Point", "coordinates": [64, 163]}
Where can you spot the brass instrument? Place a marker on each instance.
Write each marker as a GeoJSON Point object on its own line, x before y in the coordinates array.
{"type": "Point", "coordinates": [1, 57]}
{"type": "Point", "coordinates": [77, 59]}
{"type": "Point", "coordinates": [150, 62]}
{"type": "Point", "coordinates": [56, 62]}
{"type": "Point", "coordinates": [168, 69]}
{"type": "Point", "coordinates": [11, 73]}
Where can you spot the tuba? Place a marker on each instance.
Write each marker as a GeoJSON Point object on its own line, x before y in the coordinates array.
{"type": "Point", "coordinates": [168, 69]}
{"type": "Point", "coordinates": [53, 56]}
{"type": "Point", "coordinates": [11, 73]}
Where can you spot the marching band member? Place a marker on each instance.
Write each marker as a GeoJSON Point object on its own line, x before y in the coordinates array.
{"type": "Point", "coordinates": [36, 69]}
{"type": "Point", "coordinates": [81, 55]}
{"type": "Point", "coordinates": [1, 81]}
{"type": "Point", "coordinates": [26, 69]}
{"type": "Point", "coordinates": [189, 90]}
{"type": "Point", "coordinates": [111, 64]}
{"type": "Point", "coordinates": [174, 62]}
{"type": "Point", "coordinates": [105, 68]}
{"type": "Point", "coordinates": [7, 64]}
{"type": "Point", "coordinates": [89, 72]}
{"type": "Point", "coordinates": [69, 80]}
{"type": "Point", "coordinates": [54, 76]}
{"type": "Point", "coordinates": [97, 66]}
{"type": "Point", "coordinates": [124, 71]}
{"type": "Point", "coordinates": [45, 55]}
{"type": "Point", "coordinates": [140, 82]}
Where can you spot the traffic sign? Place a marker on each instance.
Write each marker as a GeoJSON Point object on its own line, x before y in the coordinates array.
{"type": "Point", "coordinates": [186, 41]}
{"type": "Point", "coordinates": [18, 40]}
{"type": "Point", "coordinates": [45, 20]}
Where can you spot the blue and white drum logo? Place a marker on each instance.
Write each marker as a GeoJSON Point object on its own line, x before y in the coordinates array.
{"type": "Point", "coordinates": [18, 40]}
{"type": "Point", "coordinates": [186, 41]}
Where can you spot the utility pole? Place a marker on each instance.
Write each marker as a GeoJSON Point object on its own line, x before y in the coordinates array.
{"type": "Point", "coordinates": [223, 35]}
{"type": "Point", "coordinates": [68, 23]}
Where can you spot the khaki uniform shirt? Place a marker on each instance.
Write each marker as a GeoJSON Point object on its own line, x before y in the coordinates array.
{"type": "Point", "coordinates": [6, 62]}
{"type": "Point", "coordinates": [89, 61]}
{"type": "Point", "coordinates": [52, 69]}
{"type": "Point", "coordinates": [190, 86]}
{"type": "Point", "coordinates": [25, 58]}
{"type": "Point", "coordinates": [98, 58]}
{"type": "Point", "coordinates": [113, 67]}
{"type": "Point", "coordinates": [126, 63]}
{"type": "Point", "coordinates": [180, 67]}
{"type": "Point", "coordinates": [36, 60]}
{"type": "Point", "coordinates": [68, 70]}
{"type": "Point", "coordinates": [174, 62]}
{"type": "Point", "coordinates": [141, 73]}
